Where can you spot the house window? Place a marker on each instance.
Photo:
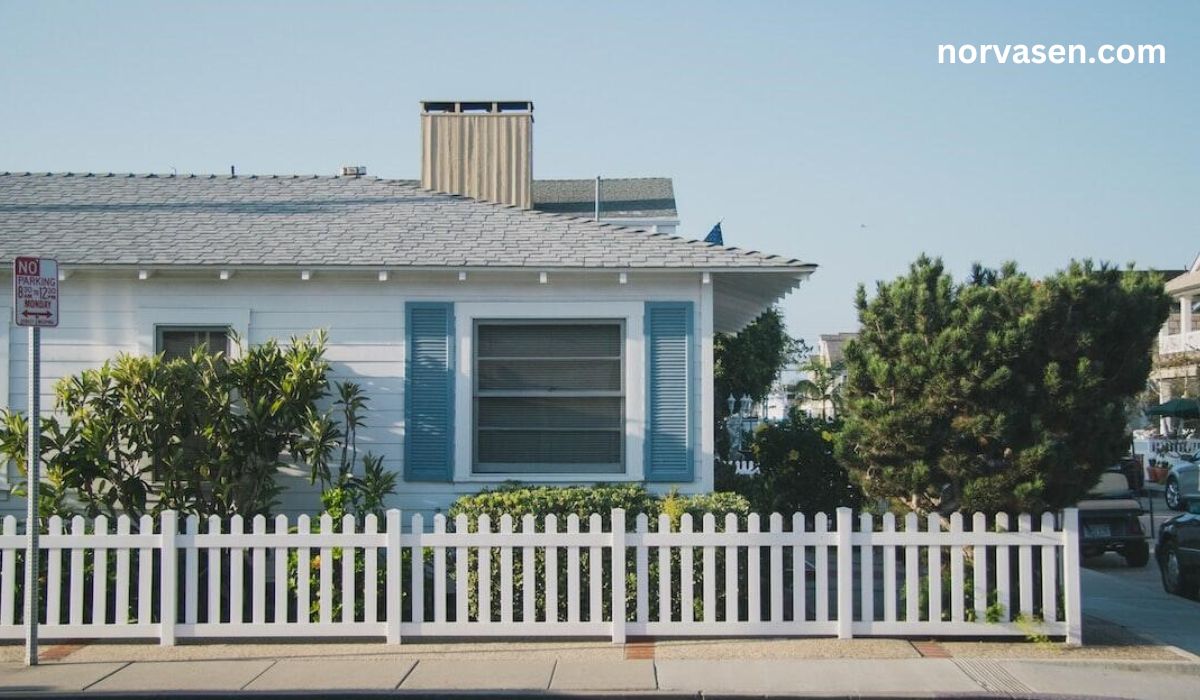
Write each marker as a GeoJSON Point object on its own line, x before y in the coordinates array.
{"type": "Point", "coordinates": [179, 341]}
{"type": "Point", "coordinates": [549, 397]}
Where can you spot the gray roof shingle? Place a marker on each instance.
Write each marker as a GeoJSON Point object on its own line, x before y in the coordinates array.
{"type": "Point", "coordinates": [198, 220]}
{"type": "Point", "coordinates": [620, 198]}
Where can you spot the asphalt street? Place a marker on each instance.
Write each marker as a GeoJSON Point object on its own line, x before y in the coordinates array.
{"type": "Point", "coordinates": [1135, 599]}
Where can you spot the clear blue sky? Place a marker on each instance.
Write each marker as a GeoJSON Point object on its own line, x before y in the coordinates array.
{"type": "Point", "coordinates": [796, 122]}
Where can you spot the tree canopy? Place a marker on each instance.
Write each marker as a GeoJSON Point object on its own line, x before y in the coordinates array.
{"type": "Point", "coordinates": [999, 393]}
{"type": "Point", "coordinates": [750, 361]}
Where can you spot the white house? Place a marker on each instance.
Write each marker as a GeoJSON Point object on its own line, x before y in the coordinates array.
{"type": "Point", "coordinates": [495, 342]}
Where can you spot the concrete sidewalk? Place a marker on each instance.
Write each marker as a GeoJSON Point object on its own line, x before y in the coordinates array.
{"type": "Point", "coordinates": [819, 668]}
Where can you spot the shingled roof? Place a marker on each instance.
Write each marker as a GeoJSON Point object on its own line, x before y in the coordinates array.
{"type": "Point", "coordinates": [194, 220]}
{"type": "Point", "coordinates": [620, 198]}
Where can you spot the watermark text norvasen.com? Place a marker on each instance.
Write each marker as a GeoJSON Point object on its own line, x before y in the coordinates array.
{"type": "Point", "coordinates": [1056, 54]}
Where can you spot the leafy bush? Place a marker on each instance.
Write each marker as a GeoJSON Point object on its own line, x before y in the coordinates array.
{"type": "Point", "coordinates": [798, 471]}
{"type": "Point", "coordinates": [202, 434]}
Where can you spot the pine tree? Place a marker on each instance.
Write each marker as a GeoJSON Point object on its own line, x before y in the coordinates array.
{"type": "Point", "coordinates": [1000, 393]}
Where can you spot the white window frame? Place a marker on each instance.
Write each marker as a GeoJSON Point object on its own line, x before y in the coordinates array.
{"type": "Point", "coordinates": [149, 318]}
{"type": "Point", "coordinates": [466, 314]}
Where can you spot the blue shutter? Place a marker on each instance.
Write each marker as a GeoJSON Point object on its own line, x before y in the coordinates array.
{"type": "Point", "coordinates": [670, 375]}
{"type": "Point", "coordinates": [429, 392]}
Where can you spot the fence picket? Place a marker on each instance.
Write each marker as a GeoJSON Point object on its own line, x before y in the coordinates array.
{"type": "Point", "coordinates": [710, 570]}
{"type": "Point", "coordinates": [416, 586]}
{"type": "Point", "coordinates": [572, 569]}
{"type": "Point", "coordinates": [461, 602]}
{"type": "Point", "coordinates": [506, 572]}
{"type": "Point", "coordinates": [191, 572]}
{"type": "Point", "coordinates": [1002, 572]}
{"type": "Point", "coordinates": [214, 576]}
{"type": "Point", "coordinates": [349, 585]}
{"type": "Point", "coordinates": [821, 553]}
{"type": "Point", "coordinates": [775, 523]}
{"type": "Point", "coordinates": [8, 583]}
{"type": "Point", "coordinates": [867, 569]}
{"type": "Point", "coordinates": [935, 571]}
{"type": "Point", "coordinates": [551, 572]}
{"type": "Point", "coordinates": [1049, 573]}
{"type": "Point", "coordinates": [75, 611]}
{"type": "Point", "coordinates": [687, 571]}
{"type": "Point", "coordinates": [371, 572]}
{"type": "Point", "coordinates": [280, 557]}
{"type": "Point", "coordinates": [485, 573]}
{"type": "Point", "coordinates": [732, 597]}
{"type": "Point", "coordinates": [912, 584]}
{"type": "Point", "coordinates": [595, 572]}
{"type": "Point", "coordinates": [54, 573]}
{"type": "Point", "coordinates": [889, 568]}
{"type": "Point", "coordinates": [664, 572]}
{"type": "Point", "coordinates": [979, 556]}
{"type": "Point", "coordinates": [324, 574]}
{"type": "Point", "coordinates": [258, 564]}
{"type": "Point", "coordinates": [528, 573]}
{"type": "Point", "coordinates": [799, 571]}
{"type": "Point", "coordinates": [1025, 566]}
{"type": "Point", "coordinates": [642, 557]}
{"type": "Point", "coordinates": [957, 594]}
{"type": "Point", "coordinates": [304, 574]}
{"type": "Point", "coordinates": [100, 573]}
{"type": "Point", "coordinates": [168, 592]}
{"type": "Point", "coordinates": [617, 577]}
{"type": "Point", "coordinates": [439, 571]}
{"type": "Point", "coordinates": [237, 570]}
{"type": "Point", "coordinates": [394, 597]}
{"type": "Point", "coordinates": [753, 570]}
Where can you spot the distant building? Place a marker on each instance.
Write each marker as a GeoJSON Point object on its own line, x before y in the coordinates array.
{"type": "Point", "coordinates": [1177, 361]}
{"type": "Point", "coordinates": [830, 351]}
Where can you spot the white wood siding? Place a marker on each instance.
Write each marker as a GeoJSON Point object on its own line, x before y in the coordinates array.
{"type": "Point", "coordinates": [103, 315]}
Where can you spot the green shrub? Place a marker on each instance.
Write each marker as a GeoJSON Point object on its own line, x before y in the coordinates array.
{"type": "Point", "coordinates": [798, 470]}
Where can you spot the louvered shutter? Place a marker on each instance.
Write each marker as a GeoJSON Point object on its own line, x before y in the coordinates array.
{"type": "Point", "coordinates": [669, 387]}
{"type": "Point", "coordinates": [429, 392]}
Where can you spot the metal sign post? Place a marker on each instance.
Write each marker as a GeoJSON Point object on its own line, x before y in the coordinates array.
{"type": "Point", "coordinates": [35, 305]}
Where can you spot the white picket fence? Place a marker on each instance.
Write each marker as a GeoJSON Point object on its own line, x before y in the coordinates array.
{"type": "Point", "coordinates": [850, 577]}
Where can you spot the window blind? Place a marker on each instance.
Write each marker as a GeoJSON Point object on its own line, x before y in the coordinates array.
{"type": "Point", "coordinates": [549, 397]}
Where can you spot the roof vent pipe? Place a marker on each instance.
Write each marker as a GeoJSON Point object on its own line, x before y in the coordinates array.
{"type": "Point", "coordinates": [597, 198]}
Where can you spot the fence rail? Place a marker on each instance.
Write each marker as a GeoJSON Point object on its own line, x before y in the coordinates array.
{"type": "Point", "coordinates": [594, 577]}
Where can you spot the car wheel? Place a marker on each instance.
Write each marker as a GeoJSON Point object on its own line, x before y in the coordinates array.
{"type": "Point", "coordinates": [1174, 502]}
{"type": "Point", "coordinates": [1175, 579]}
{"type": "Point", "coordinates": [1137, 555]}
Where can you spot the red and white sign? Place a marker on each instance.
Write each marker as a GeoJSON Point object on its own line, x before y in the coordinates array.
{"type": "Point", "coordinates": [35, 292]}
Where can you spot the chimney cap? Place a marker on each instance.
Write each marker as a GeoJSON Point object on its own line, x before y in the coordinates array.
{"type": "Point", "coordinates": [354, 170]}
{"type": "Point", "coordinates": [476, 106]}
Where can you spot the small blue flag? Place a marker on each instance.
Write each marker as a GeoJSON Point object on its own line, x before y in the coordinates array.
{"type": "Point", "coordinates": [714, 236]}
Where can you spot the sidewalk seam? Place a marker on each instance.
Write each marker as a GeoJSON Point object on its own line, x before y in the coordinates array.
{"type": "Point", "coordinates": [654, 665]}
{"type": "Point", "coordinates": [260, 673]}
{"type": "Point", "coordinates": [553, 669]}
{"type": "Point", "coordinates": [107, 675]}
{"type": "Point", "coordinates": [407, 674]}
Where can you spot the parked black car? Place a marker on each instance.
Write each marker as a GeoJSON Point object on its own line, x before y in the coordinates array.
{"type": "Point", "coordinates": [1110, 519]}
{"type": "Point", "coordinates": [1178, 552]}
